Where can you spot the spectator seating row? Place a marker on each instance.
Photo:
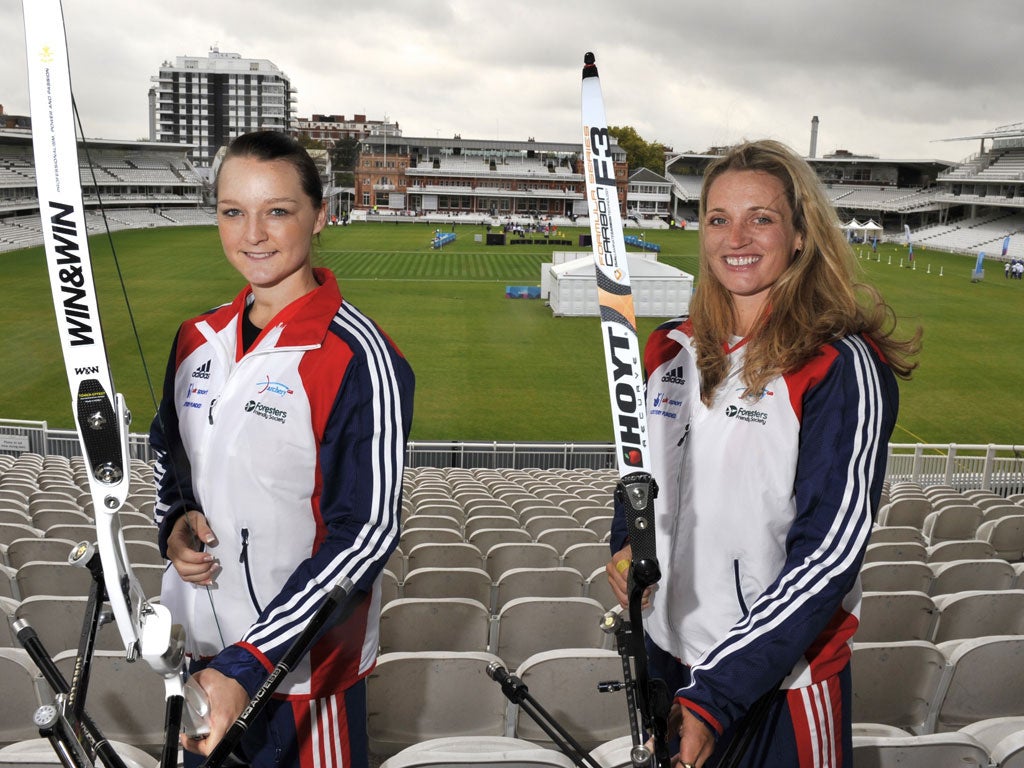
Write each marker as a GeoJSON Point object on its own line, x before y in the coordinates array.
{"type": "Point", "coordinates": [508, 565]}
{"type": "Point", "coordinates": [925, 687]}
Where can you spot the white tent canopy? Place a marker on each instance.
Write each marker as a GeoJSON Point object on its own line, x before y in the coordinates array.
{"type": "Point", "coordinates": [659, 290]}
{"type": "Point", "coordinates": [869, 229]}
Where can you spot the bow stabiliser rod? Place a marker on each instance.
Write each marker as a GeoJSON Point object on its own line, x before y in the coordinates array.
{"type": "Point", "coordinates": [101, 417]}
{"type": "Point", "coordinates": [636, 490]}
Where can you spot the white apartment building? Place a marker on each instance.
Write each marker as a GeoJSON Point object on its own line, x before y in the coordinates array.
{"type": "Point", "coordinates": [207, 101]}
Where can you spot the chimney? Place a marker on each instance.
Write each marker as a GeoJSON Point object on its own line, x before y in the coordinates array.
{"type": "Point", "coordinates": [814, 137]}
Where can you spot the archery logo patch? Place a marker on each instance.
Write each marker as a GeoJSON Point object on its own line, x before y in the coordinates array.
{"type": "Point", "coordinates": [273, 387]}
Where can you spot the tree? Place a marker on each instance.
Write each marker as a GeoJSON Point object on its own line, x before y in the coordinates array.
{"type": "Point", "coordinates": [344, 156]}
{"type": "Point", "coordinates": [639, 153]}
{"type": "Point", "coordinates": [310, 143]}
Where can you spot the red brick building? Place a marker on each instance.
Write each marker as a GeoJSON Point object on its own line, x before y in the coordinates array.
{"type": "Point", "coordinates": [502, 178]}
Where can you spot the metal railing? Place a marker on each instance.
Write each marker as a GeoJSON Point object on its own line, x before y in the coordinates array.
{"type": "Point", "coordinates": [998, 468]}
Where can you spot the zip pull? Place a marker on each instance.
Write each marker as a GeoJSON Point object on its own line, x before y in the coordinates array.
{"type": "Point", "coordinates": [243, 556]}
{"type": "Point", "coordinates": [213, 402]}
{"type": "Point", "coordinates": [686, 434]}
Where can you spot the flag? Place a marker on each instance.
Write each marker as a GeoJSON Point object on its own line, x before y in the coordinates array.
{"type": "Point", "coordinates": [910, 245]}
{"type": "Point", "coordinates": [1006, 244]}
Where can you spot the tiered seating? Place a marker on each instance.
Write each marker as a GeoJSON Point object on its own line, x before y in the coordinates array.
{"type": "Point", "coordinates": [43, 503]}
{"type": "Point", "coordinates": [867, 197]}
{"type": "Point", "coordinates": [123, 177]}
{"type": "Point", "coordinates": [980, 233]}
{"type": "Point", "coordinates": [507, 567]}
{"type": "Point", "coordinates": [688, 186]}
{"type": "Point", "coordinates": [938, 659]}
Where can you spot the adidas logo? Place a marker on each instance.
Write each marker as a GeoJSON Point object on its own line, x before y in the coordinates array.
{"type": "Point", "coordinates": [202, 372]}
{"type": "Point", "coordinates": [674, 376]}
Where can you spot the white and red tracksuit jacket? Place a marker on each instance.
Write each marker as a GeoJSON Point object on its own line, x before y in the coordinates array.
{"type": "Point", "coordinates": [764, 510]}
{"type": "Point", "coordinates": [294, 451]}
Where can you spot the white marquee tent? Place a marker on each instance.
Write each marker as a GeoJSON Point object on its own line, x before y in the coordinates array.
{"type": "Point", "coordinates": [869, 229]}
{"type": "Point", "coordinates": [659, 290]}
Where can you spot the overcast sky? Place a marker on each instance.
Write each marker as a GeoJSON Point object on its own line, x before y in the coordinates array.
{"type": "Point", "coordinates": [885, 77]}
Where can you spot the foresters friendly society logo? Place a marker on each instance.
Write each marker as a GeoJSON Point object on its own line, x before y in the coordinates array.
{"type": "Point", "coordinates": [747, 414]}
{"type": "Point", "coordinates": [266, 411]}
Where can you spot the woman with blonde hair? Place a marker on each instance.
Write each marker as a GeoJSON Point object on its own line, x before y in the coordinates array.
{"type": "Point", "coordinates": [770, 409]}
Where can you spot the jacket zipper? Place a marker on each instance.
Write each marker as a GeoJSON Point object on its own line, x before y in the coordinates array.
{"type": "Point", "coordinates": [739, 592]}
{"type": "Point", "coordinates": [243, 558]}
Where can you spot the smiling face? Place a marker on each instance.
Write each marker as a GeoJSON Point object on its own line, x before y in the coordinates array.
{"type": "Point", "coordinates": [748, 238]}
{"type": "Point", "coordinates": [267, 223]}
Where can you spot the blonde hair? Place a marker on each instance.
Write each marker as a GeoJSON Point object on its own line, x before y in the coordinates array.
{"type": "Point", "coordinates": [816, 300]}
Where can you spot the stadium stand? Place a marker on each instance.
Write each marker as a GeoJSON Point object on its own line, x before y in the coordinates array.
{"type": "Point", "coordinates": [938, 656]}
{"type": "Point", "coordinates": [140, 185]}
{"type": "Point", "coordinates": [960, 207]}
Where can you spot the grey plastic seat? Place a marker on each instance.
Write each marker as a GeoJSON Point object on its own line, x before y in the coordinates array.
{"type": "Point", "coordinates": [471, 583]}
{"type": "Point", "coordinates": [1005, 534]}
{"type": "Point", "coordinates": [125, 699]}
{"type": "Point", "coordinates": [565, 681]}
{"type": "Point", "coordinates": [444, 555]}
{"type": "Point", "coordinates": [933, 750]}
{"type": "Point", "coordinates": [503, 557]}
{"type": "Point", "coordinates": [896, 683]}
{"type": "Point", "coordinates": [58, 622]}
{"type": "Point", "coordinates": [896, 576]}
{"type": "Point", "coordinates": [978, 613]}
{"type": "Point", "coordinates": [586, 558]}
{"type": "Point", "coordinates": [951, 523]}
{"type": "Point", "coordinates": [964, 575]}
{"type": "Point", "coordinates": [893, 616]}
{"type": "Point", "coordinates": [413, 537]}
{"type": "Point", "coordinates": [894, 551]}
{"type": "Point", "coordinates": [434, 624]}
{"type": "Point", "coordinates": [966, 549]}
{"type": "Point", "coordinates": [908, 511]}
{"type": "Point", "coordinates": [21, 551]}
{"type": "Point", "coordinates": [529, 625]}
{"type": "Point", "coordinates": [22, 685]}
{"type": "Point", "coordinates": [474, 751]}
{"type": "Point", "coordinates": [597, 587]}
{"type": "Point", "coordinates": [983, 679]}
{"type": "Point", "coordinates": [536, 582]}
{"type": "Point", "coordinates": [44, 578]}
{"type": "Point", "coordinates": [414, 697]}
{"type": "Point", "coordinates": [1003, 737]}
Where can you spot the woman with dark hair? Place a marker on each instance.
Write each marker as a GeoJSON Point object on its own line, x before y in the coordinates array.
{"type": "Point", "coordinates": [775, 399]}
{"type": "Point", "coordinates": [280, 443]}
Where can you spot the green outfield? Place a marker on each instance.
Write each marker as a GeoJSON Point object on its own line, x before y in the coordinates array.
{"type": "Point", "coordinates": [491, 368]}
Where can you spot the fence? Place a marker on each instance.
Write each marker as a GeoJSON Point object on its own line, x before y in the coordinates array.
{"type": "Point", "coordinates": [998, 468]}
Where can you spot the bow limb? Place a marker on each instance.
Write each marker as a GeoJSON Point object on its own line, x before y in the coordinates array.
{"type": "Point", "coordinates": [100, 414]}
